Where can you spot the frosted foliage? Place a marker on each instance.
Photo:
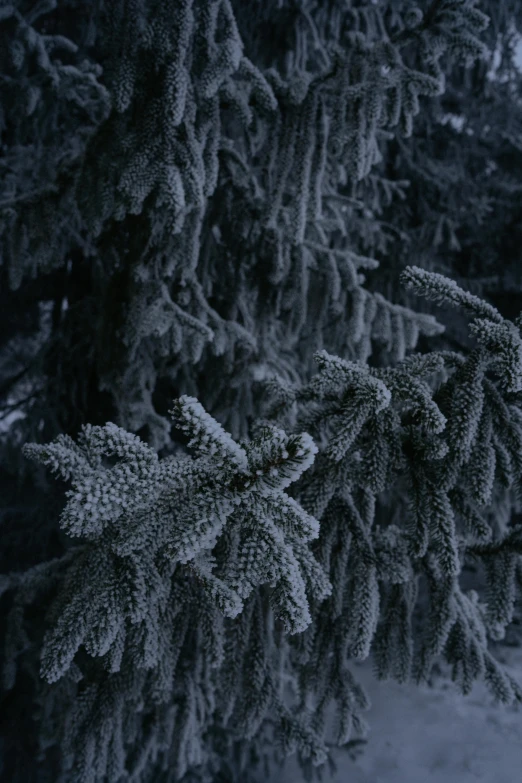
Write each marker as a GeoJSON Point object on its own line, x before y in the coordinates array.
{"type": "Point", "coordinates": [51, 104]}
{"type": "Point", "coordinates": [199, 190]}
{"type": "Point", "coordinates": [167, 540]}
{"type": "Point", "coordinates": [215, 527]}
{"type": "Point", "coordinates": [199, 170]}
{"type": "Point", "coordinates": [443, 441]}
{"type": "Point", "coordinates": [208, 437]}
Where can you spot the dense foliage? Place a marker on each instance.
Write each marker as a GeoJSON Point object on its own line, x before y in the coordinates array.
{"type": "Point", "coordinates": [216, 221]}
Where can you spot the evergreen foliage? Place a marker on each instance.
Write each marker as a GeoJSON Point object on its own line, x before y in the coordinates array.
{"type": "Point", "coordinates": [187, 211]}
{"type": "Point", "coordinates": [449, 198]}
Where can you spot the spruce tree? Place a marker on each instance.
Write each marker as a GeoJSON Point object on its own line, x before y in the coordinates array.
{"type": "Point", "coordinates": [459, 207]}
{"type": "Point", "coordinates": [250, 495]}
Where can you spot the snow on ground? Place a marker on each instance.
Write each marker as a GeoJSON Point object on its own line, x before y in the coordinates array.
{"type": "Point", "coordinates": [431, 735]}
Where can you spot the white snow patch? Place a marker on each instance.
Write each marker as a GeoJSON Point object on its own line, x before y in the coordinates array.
{"type": "Point", "coordinates": [431, 735]}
